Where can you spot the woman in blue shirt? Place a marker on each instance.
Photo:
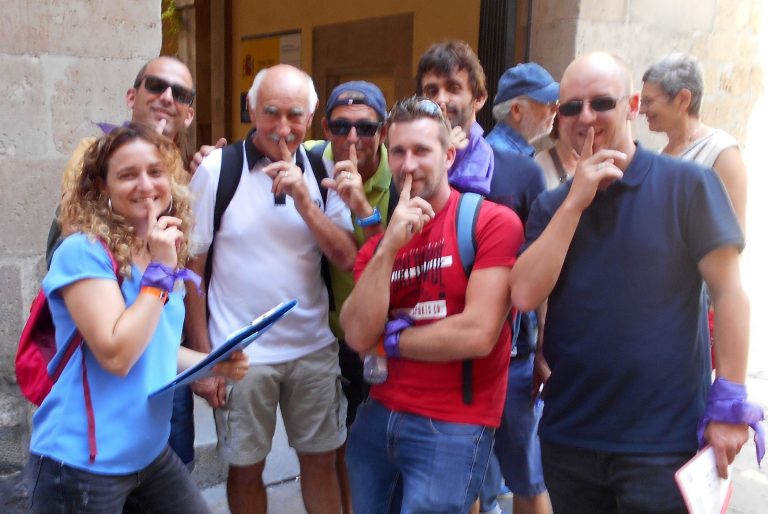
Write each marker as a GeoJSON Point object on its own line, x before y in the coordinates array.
{"type": "Point", "coordinates": [89, 459]}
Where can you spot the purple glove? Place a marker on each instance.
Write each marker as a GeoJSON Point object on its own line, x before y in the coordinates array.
{"type": "Point", "coordinates": [163, 277]}
{"type": "Point", "coordinates": [727, 403]}
{"type": "Point", "coordinates": [392, 334]}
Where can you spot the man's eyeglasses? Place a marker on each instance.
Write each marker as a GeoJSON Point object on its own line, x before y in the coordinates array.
{"type": "Point", "coordinates": [599, 104]}
{"type": "Point", "coordinates": [342, 127]}
{"type": "Point", "coordinates": [157, 86]}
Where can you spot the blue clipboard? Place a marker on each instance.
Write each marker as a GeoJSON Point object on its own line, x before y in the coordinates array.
{"type": "Point", "coordinates": [237, 341]}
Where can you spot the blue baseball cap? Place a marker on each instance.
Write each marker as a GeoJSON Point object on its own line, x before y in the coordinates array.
{"type": "Point", "coordinates": [357, 92]}
{"type": "Point", "coordinates": [527, 79]}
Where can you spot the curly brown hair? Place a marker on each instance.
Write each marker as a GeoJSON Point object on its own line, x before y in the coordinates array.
{"type": "Point", "coordinates": [86, 208]}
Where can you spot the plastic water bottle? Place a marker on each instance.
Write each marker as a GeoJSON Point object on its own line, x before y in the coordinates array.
{"type": "Point", "coordinates": [375, 365]}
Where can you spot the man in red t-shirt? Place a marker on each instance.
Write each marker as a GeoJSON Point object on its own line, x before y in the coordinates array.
{"type": "Point", "coordinates": [413, 293]}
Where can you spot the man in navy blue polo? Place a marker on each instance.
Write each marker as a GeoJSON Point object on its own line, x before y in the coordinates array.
{"type": "Point", "coordinates": [622, 252]}
{"type": "Point", "coordinates": [524, 109]}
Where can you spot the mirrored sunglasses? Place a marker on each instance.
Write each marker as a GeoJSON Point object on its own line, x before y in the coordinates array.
{"type": "Point", "coordinates": [363, 128]}
{"type": "Point", "coordinates": [157, 86]}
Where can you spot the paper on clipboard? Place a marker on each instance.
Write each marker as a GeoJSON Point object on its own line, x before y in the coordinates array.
{"type": "Point", "coordinates": [702, 488]}
{"type": "Point", "coordinates": [236, 341]}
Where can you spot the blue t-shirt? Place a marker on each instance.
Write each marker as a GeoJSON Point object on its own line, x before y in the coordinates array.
{"type": "Point", "coordinates": [517, 182]}
{"type": "Point", "coordinates": [131, 430]}
{"type": "Point", "coordinates": [626, 336]}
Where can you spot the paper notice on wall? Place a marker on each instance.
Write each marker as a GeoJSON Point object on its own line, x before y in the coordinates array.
{"type": "Point", "coordinates": [702, 488]}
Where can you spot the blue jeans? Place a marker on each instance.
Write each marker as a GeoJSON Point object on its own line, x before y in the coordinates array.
{"type": "Point", "coordinates": [585, 481]}
{"type": "Point", "coordinates": [182, 438]}
{"type": "Point", "coordinates": [491, 486]}
{"type": "Point", "coordinates": [441, 464]}
{"type": "Point", "coordinates": [517, 441]}
{"type": "Point", "coordinates": [163, 486]}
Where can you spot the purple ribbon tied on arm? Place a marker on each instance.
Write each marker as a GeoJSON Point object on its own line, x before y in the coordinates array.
{"type": "Point", "coordinates": [164, 277]}
{"type": "Point", "coordinates": [727, 403]}
{"type": "Point", "coordinates": [392, 334]}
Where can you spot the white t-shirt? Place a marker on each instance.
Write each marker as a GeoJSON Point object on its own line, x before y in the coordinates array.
{"type": "Point", "coordinates": [264, 254]}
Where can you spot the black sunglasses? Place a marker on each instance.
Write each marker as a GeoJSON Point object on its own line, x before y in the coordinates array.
{"type": "Point", "coordinates": [157, 86]}
{"type": "Point", "coordinates": [599, 104]}
{"type": "Point", "coordinates": [341, 127]}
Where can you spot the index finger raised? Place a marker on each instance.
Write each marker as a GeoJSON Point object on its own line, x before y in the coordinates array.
{"type": "Point", "coordinates": [151, 214]}
{"type": "Point", "coordinates": [286, 153]}
{"type": "Point", "coordinates": [589, 140]}
{"type": "Point", "coordinates": [160, 127]}
{"type": "Point", "coordinates": [405, 194]}
{"type": "Point", "coordinates": [353, 156]}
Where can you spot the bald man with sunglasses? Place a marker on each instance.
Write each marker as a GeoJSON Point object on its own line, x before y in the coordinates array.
{"type": "Point", "coordinates": [161, 98]}
{"type": "Point", "coordinates": [621, 253]}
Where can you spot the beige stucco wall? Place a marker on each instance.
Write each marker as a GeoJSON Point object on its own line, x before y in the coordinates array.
{"type": "Point", "coordinates": [63, 67]}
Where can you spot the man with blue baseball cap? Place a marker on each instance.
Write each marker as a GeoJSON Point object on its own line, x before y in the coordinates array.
{"type": "Point", "coordinates": [524, 109]}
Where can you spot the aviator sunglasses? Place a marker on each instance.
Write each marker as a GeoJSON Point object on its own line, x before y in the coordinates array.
{"type": "Point", "coordinates": [363, 128]}
{"type": "Point", "coordinates": [157, 86]}
{"type": "Point", "coordinates": [599, 104]}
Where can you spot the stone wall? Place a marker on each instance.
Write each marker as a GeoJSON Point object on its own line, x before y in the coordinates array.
{"type": "Point", "coordinates": [64, 66]}
{"type": "Point", "coordinates": [723, 34]}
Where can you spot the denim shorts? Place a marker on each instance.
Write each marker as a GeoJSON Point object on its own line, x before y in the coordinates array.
{"type": "Point", "coordinates": [163, 486]}
{"type": "Point", "coordinates": [439, 465]}
{"type": "Point", "coordinates": [517, 441]}
{"type": "Point", "coordinates": [308, 390]}
{"type": "Point", "coordinates": [586, 481]}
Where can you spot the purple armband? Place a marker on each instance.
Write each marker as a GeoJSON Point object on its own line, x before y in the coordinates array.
{"type": "Point", "coordinates": [163, 277]}
{"type": "Point", "coordinates": [392, 334]}
{"type": "Point", "coordinates": [727, 403]}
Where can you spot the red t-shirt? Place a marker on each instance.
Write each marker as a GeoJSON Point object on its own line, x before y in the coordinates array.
{"type": "Point", "coordinates": [428, 278]}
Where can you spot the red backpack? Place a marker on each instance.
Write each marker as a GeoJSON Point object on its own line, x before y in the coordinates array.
{"type": "Point", "coordinates": [37, 348]}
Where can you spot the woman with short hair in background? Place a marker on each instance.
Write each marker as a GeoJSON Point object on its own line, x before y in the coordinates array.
{"type": "Point", "coordinates": [671, 101]}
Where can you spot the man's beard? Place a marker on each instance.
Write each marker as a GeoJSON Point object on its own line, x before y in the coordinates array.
{"type": "Point", "coordinates": [457, 116]}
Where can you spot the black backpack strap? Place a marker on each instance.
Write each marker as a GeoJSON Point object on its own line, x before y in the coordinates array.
{"type": "Point", "coordinates": [466, 221]}
{"type": "Point", "coordinates": [229, 179]}
{"type": "Point", "coordinates": [315, 158]}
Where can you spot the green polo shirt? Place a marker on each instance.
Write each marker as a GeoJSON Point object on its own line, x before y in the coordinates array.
{"type": "Point", "coordinates": [377, 192]}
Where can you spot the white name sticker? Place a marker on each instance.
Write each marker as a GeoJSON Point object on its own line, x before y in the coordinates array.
{"type": "Point", "coordinates": [429, 310]}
